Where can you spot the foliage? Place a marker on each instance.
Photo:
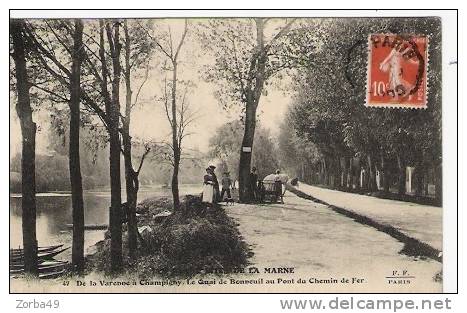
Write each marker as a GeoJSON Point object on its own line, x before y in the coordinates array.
{"type": "Point", "coordinates": [191, 241]}
{"type": "Point", "coordinates": [225, 146]}
{"type": "Point", "coordinates": [52, 168]}
{"type": "Point", "coordinates": [239, 48]}
{"type": "Point", "coordinates": [328, 108]}
{"type": "Point", "coordinates": [294, 151]}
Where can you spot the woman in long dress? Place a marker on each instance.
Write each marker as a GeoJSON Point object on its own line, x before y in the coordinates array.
{"type": "Point", "coordinates": [208, 187]}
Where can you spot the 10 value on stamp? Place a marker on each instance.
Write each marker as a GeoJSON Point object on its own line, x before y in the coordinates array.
{"type": "Point", "coordinates": [397, 71]}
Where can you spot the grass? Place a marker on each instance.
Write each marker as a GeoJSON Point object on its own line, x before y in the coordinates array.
{"type": "Point", "coordinates": [193, 240]}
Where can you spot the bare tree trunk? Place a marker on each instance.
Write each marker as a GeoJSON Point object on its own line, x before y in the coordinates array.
{"type": "Point", "coordinates": [132, 199]}
{"type": "Point", "coordinates": [115, 219]}
{"type": "Point", "coordinates": [384, 174]}
{"type": "Point", "coordinates": [418, 177]}
{"type": "Point", "coordinates": [425, 183]}
{"type": "Point", "coordinates": [357, 174]}
{"type": "Point", "coordinates": [337, 172]}
{"type": "Point", "coordinates": [245, 156]}
{"type": "Point", "coordinates": [28, 156]}
{"type": "Point", "coordinates": [372, 186]}
{"type": "Point", "coordinates": [323, 171]}
{"type": "Point", "coordinates": [175, 189]}
{"type": "Point", "coordinates": [177, 129]}
{"type": "Point", "coordinates": [132, 186]}
{"type": "Point", "coordinates": [402, 175]}
{"type": "Point", "coordinates": [345, 173]}
{"type": "Point", "coordinates": [327, 176]}
{"type": "Point", "coordinates": [74, 157]}
{"type": "Point", "coordinates": [253, 96]}
{"type": "Point", "coordinates": [176, 148]}
{"type": "Point", "coordinates": [131, 177]}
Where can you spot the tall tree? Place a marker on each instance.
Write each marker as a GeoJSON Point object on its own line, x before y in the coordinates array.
{"type": "Point", "coordinates": [64, 85]}
{"type": "Point", "coordinates": [245, 60]}
{"type": "Point", "coordinates": [113, 113]}
{"type": "Point", "coordinates": [51, 36]}
{"type": "Point", "coordinates": [28, 156]}
{"type": "Point", "coordinates": [136, 54]}
{"type": "Point", "coordinates": [173, 108]}
{"type": "Point", "coordinates": [74, 157]}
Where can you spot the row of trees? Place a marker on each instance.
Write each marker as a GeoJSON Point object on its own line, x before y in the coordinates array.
{"type": "Point", "coordinates": [336, 135]}
{"type": "Point", "coordinates": [78, 70]}
{"type": "Point", "coordinates": [75, 71]}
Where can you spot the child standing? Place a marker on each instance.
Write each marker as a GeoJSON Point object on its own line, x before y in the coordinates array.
{"type": "Point", "coordinates": [226, 185]}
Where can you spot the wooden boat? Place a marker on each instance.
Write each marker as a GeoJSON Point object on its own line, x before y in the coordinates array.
{"type": "Point", "coordinates": [44, 267]}
{"type": "Point", "coordinates": [47, 267]}
{"type": "Point", "coordinates": [16, 252]}
{"type": "Point", "coordinates": [45, 255]}
{"type": "Point", "coordinates": [52, 275]}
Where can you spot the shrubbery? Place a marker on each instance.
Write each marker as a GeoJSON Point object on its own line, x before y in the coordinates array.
{"type": "Point", "coordinates": [197, 239]}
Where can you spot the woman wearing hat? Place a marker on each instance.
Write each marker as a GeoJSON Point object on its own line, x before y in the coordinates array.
{"type": "Point", "coordinates": [208, 187]}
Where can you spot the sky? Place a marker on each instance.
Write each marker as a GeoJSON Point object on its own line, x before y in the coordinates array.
{"type": "Point", "coordinates": [149, 122]}
{"type": "Point", "coordinates": [148, 118]}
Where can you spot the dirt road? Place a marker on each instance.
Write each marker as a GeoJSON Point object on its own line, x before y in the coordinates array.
{"type": "Point", "coordinates": [323, 245]}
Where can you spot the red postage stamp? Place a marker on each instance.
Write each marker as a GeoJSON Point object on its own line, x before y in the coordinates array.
{"type": "Point", "coordinates": [397, 71]}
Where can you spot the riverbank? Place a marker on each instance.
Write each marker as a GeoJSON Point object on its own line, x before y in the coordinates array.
{"type": "Point", "coordinates": [194, 240]}
{"type": "Point", "coordinates": [54, 213]}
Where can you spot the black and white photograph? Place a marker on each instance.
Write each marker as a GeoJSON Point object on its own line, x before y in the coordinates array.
{"type": "Point", "coordinates": [194, 154]}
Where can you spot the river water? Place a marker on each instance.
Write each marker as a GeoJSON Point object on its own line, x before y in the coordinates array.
{"type": "Point", "coordinates": [54, 212]}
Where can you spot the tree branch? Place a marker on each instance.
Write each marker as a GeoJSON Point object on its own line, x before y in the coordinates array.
{"type": "Point", "coordinates": [185, 30]}
{"type": "Point", "coordinates": [146, 76]}
{"type": "Point", "coordinates": [282, 32]}
{"type": "Point", "coordinates": [146, 151]}
{"type": "Point", "coordinates": [156, 42]}
{"type": "Point", "coordinates": [40, 49]}
{"type": "Point", "coordinates": [64, 99]}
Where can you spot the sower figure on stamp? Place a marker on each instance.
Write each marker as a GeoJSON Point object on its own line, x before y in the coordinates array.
{"type": "Point", "coordinates": [392, 64]}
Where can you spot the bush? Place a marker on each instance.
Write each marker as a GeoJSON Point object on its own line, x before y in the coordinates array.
{"type": "Point", "coordinates": [196, 239]}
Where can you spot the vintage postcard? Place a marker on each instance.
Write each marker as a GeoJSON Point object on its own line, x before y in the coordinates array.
{"type": "Point", "coordinates": [226, 155]}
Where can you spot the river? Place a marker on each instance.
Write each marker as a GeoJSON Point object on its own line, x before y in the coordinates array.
{"type": "Point", "coordinates": [54, 212]}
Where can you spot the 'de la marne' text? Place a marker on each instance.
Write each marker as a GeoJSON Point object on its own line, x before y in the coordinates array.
{"type": "Point", "coordinates": [279, 270]}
